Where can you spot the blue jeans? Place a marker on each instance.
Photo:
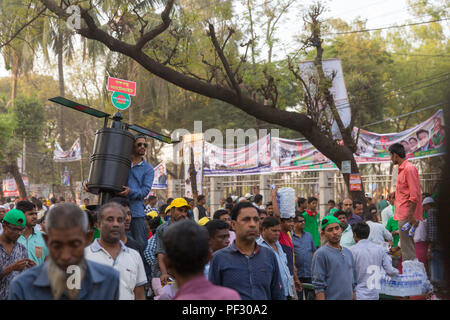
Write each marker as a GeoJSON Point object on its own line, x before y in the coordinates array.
{"type": "Point", "coordinates": [138, 230]}
{"type": "Point", "coordinates": [437, 271]}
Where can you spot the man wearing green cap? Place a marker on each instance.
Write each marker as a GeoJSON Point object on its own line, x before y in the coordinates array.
{"type": "Point", "coordinates": [333, 267]}
{"type": "Point", "coordinates": [13, 255]}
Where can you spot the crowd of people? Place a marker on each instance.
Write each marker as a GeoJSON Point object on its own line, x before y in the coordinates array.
{"type": "Point", "coordinates": [244, 250]}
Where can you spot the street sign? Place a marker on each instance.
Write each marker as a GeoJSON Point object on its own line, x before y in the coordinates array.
{"type": "Point", "coordinates": [123, 86]}
{"type": "Point", "coordinates": [346, 166]}
{"type": "Point", "coordinates": [355, 182]}
{"type": "Point", "coordinates": [120, 100]}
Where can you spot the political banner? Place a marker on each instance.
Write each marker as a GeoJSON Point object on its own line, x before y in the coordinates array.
{"type": "Point", "coordinates": [74, 154]}
{"type": "Point", "coordinates": [422, 141]}
{"type": "Point", "coordinates": [297, 155]}
{"type": "Point", "coordinates": [10, 188]}
{"type": "Point", "coordinates": [193, 144]}
{"type": "Point", "coordinates": [253, 158]}
{"type": "Point", "coordinates": [160, 179]}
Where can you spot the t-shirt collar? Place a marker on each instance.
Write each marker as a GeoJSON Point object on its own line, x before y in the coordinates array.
{"type": "Point", "coordinates": [310, 213]}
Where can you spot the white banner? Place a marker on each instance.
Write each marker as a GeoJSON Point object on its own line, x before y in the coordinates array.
{"type": "Point", "coordinates": [74, 154]}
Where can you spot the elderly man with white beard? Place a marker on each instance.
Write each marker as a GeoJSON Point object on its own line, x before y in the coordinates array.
{"type": "Point", "coordinates": [66, 274]}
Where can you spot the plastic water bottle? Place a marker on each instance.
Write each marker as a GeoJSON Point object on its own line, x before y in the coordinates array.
{"type": "Point", "coordinates": [406, 226]}
{"type": "Point", "coordinates": [411, 231]}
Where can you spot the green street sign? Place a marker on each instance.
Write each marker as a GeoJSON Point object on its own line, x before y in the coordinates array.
{"type": "Point", "coordinates": [121, 100]}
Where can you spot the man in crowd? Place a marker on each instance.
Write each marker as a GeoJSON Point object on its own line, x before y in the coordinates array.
{"type": "Point", "coordinates": [258, 201]}
{"type": "Point", "coordinates": [219, 237]}
{"type": "Point", "coordinates": [378, 233]}
{"type": "Point", "coordinates": [151, 205]}
{"type": "Point", "coordinates": [200, 210]}
{"type": "Point", "coordinates": [408, 202]}
{"type": "Point", "coordinates": [126, 239]}
{"type": "Point", "coordinates": [333, 267]}
{"type": "Point", "coordinates": [85, 204]}
{"type": "Point", "coordinates": [269, 208]}
{"type": "Point", "coordinates": [2, 214]}
{"type": "Point", "coordinates": [304, 249]}
{"type": "Point", "coordinates": [269, 238]}
{"type": "Point", "coordinates": [110, 250]}
{"type": "Point", "coordinates": [67, 236]}
{"type": "Point", "coordinates": [347, 233]}
{"type": "Point", "coordinates": [302, 205]}
{"type": "Point", "coordinates": [32, 240]}
{"type": "Point", "coordinates": [140, 181]}
{"type": "Point", "coordinates": [244, 266]}
{"type": "Point", "coordinates": [225, 216]}
{"type": "Point", "coordinates": [332, 207]}
{"type": "Point", "coordinates": [388, 212]}
{"type": "Point", "coordinates": [13, 255]}
{"type": "Point", "coordinates": [382, 204]}
{"type": "Point", "coordinates": [187, 252]}
{"type": "Point", "coordinates": [369, 258]}
{"type": "Point", "coordinates": [358, 210]}
{"type": "Point", "coordinates": [178, 212]}
{"type": "Point", "coordinates": [311, 220]}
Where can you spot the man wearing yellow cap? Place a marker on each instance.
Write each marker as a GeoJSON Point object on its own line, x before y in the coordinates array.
{"type": "Point", "coordinates": [333, 267]}
{"type": "Point", "coordinates": [177, 211]}
{"type": "Point", "coordinates": [13, 255]}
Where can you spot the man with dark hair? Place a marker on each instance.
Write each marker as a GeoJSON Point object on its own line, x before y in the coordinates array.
{"type": "Point", "coordinates": [151, 206]}
{"type": "Point", "coordinates": [378, 233]}
{"type": "Point", "coordinates": [200, 210]}
{"type": "Point", "coordinates": [53, 202]}
{"type": "Point", "coordinates": [332, 207]}
{"type": "Point", "coordinates": [302, 205]}
{"type": "Point", "coordinates": [304, 249]}
{"type": "Point", "coordinates": [312, 220]}
{"type": "Point", "coordinates": [187, 252]}
{"type": "Point", "coordinates": [424, 140]}
{"type": "Point", "coordinates": [219, 234]}
{"type": "Point", "coordinates": [225, 216]}
{"type": "Point", "coordinates": [127, 239]}
{"type": "Point", "coordinates": [244, 266]}
{"type": "Point", "coordinates": [13, 255]}
{"type": "Point", "coordinates": [347, 234]}
{"type": "Point", "coordinates": [408, 199]}
{"type": "Point", "coordinates": [357, 215]}
{"type": "Point", "coordinates": [66, 237]}
{"type": "Point", "coordinates": [228, 207]}
{"type": "Point", "coordinates": [269, 208]}
{"type": "Point", "coordinates": [110, 250]}
{"type": "Point", "coordinates": [85, 204]}
{"type": "Point", "coordinates": [333, 267]}
{"type": "Point", "coordinates": [258, 201]}
{"type": "Point", "coordinates": [369, 258]}
{"type": "Point", "coordinates": [32, 240]}
{"type": "Point", "coordinates": [269, 238]}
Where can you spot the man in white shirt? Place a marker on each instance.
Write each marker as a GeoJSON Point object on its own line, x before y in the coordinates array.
{"type": "Point", "coordinates": [370, 259]}
{"type": "Point", "coordinates": [347, 234]}
{"type": "Point", "coordinates": [388, 212]}
{"type": "Point", "coordinates": [110, 250]}
{"type": "Point", "coordinates": [378, 233]}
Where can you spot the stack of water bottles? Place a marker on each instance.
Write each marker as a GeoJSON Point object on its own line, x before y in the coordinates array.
{"type": "Point", "coordinates": [286, 202]}
{"type": "Point", "coordinates": [412, 282]}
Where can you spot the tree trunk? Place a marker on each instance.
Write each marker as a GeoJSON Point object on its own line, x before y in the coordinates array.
{"type": "Point", "coordinates": [14, 77]}
{"type": "Point", "coordinates": [193, 175]}
{"type": "Point", "coordinates": [14, 170]}
{"type": "Point", "coordinates": [60, 54]}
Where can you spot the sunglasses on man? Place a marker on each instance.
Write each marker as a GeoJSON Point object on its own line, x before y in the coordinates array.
{"type": "Point", "coordinates": [140, 144]}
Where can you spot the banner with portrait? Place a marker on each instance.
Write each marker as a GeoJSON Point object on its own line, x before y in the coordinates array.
{"type": "Point", "coordinates": [160, 179]}
{"type": "Point", "coordinates": [253, 158]}
{"type": "Point", "coordinates": [73, 154]}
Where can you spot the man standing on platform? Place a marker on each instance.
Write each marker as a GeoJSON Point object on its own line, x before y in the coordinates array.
{"type": "Point", "coordinates": [408, 199]}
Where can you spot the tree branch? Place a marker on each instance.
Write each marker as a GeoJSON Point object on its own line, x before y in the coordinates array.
{"type": "Point", "coordinates": [158, 29]}
{"type": "Point", "coordinates": [223, 59]}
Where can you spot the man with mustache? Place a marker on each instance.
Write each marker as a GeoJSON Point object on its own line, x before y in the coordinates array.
{"type": "Point", "coordinates": [333, 267]}
{"type": "Point", "coordinates": [111, 251]}
{"type": "Point", "coordinates": [244, 266]}
{"type": "Point", "coordinates": [66, 274]}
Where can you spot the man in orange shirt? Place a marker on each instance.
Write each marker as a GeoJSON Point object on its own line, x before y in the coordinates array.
{"type": "Point", "coordinates": [408, 199]}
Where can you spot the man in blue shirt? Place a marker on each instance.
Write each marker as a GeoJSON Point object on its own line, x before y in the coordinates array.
{"type": "Point", "coordinates": [244, 266]}
{"type": "Point", "coordinates": [333, 268]}
{"type": "Point", "coordinates": [140, 181]}
{"type": "Point", "coordinates": [304, 249]}
{"type": "Point", "coordinates": [66, 274]}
